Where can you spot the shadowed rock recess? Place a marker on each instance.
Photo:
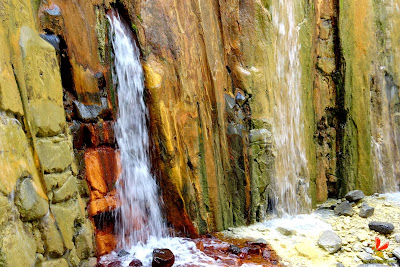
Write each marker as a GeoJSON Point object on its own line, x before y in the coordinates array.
{"type": "Point", "coordinates": [210, 69]}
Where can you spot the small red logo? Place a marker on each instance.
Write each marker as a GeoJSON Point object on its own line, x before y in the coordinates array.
{"type": "Point", "coordinates": [378, 248]}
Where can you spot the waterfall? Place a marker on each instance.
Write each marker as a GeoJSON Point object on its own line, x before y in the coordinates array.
{"type": "Point", "coordinates": [139, 216]}
{"type": "Point", "coordinates": [291, 179]}
{"type": "Point", "coordinates": [383, 116]}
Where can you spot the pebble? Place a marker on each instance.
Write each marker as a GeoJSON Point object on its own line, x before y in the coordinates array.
{"type": "Point", "coordinates": [387, 204]}
{"type": "Point", "coordinates": [397, 238]}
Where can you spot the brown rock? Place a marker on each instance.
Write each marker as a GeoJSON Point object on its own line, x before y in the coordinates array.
{"type": "Point", "coordinates": [102, 168]}
{"type": "Point", "coordinates": [135, 263]}
{"type": "Point", "coordinates": [163, 258]}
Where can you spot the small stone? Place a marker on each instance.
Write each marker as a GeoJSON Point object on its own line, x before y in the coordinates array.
{"type": "Point", "coordinates": [344, 208]}
{"type": "Point", "coordinates": [163, 258]}
{"type": "Point", "coordinates": [366, 211]}
{"type": "Point", "coordinates": [122, 253]}
{"type": "Point", "coordinates": [338, 264]}
{"type": "Point", "coordinates": [381, 227]}
{"type": "Point", "coordinates": [365, 257]}
{"type": "Point", "coordinates": [285, 231]}
{"type": "Point", "coordinates": [135, 263]}
{"type": "Point", "coordinates": [376, 194]}
{"type": "Point", "coordinates": [347, 249]}
{"type": "Point", "coordinates": [396, 252]}
{"type": "Point", "coordinates": [387, 204]}
{"type": "Point", "coordinates": [354, 195]}
{"type": "Point", "coordinates": [240, 99]}
{"type": "Point", "coordinates": [330, 241]}
{"type": "Point", "coordinates": [234, 249]}
{"type": "Point", "coordinates": [397, 238]}
{"type": "Point", "coordinates": [368, 250]}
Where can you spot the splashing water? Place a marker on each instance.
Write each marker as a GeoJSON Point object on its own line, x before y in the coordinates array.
{"type": "Point", "coordinates": [291, 179]}
{"type": "Point", "coordinates": [140, 215]}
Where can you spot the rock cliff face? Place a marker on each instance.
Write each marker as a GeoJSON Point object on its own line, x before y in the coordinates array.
{"type": "Point", "coordinates": [210, 70]}
{"type": "Point", "coordinates": [43, 214]}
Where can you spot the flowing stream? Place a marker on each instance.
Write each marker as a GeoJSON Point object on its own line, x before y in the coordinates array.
{"type": "Point", "coordinates": [140, 215]}
{"type": "Point", "coordinates": [291, 179]}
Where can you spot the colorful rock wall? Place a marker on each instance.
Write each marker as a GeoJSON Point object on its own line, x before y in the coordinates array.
{"type": "Point", "coordinates": [210, 67]}
{"type": "Point", "coordinates": [44, 220]}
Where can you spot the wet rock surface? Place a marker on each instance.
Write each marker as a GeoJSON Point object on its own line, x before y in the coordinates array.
{"type": "Point", "coordinates": [163, 258]}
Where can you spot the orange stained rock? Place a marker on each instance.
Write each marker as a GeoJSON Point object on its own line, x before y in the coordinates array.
{"type": "Point", "coordinates": [108, 203]}
{"type": "Point", "coordinates": [102, 168]}
{"type": "Point", "coordinates": [105, 242]}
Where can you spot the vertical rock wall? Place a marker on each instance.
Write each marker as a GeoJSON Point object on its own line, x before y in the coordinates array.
{"type": "Point", "coordinates": [43, 220]}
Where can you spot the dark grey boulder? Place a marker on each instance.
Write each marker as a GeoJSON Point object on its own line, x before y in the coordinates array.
{"type": "Point", "coordinates": [381, 227]}
{"type": "Point", "coordinates": [366, 211]}
{"type": "Point", "coordinates": [354, 195]}
{"type": "Point", "coordinates": [344, 208]}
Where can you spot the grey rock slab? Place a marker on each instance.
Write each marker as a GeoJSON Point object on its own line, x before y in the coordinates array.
{"type": "Point", "coordinates": [330, 241]}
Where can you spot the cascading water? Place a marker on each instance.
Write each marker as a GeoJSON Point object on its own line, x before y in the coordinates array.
{"type": "Point", "coordinates": [385, 150]}
{"type": "Point", "coordinates": [291, 179]}
{"type": "Point", "coordinates": [140, 215]}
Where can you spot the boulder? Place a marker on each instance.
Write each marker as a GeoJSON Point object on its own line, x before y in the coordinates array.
{"type": "Point", "coordinates": [354, 195]}
{"type": "Point", "coordinates": [234, 249]}
{"type": "Point", "coordinates": [163, 258]}
{"type": "Point", "coordinates": [344, 208]}
{"type": "Point", "coordinates": [381, 227]}
{"type": "Point", "coordinates": [30, 205]}
{"type": "Point", "coordinates": [366, 211]}
{"type": "Point", "coordinates": [330, 241]}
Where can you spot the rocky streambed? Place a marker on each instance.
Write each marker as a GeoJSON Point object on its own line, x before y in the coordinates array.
{"type": "Point", "coordinates": [348, 232]}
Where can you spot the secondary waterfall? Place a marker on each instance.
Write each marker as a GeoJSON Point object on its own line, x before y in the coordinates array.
{"type": "Point", "coordinates": [291, 179]}
{"type": "Point", "coordinates": [385, 136]}
{"type": "Point", "coordinates": [140, 215]}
